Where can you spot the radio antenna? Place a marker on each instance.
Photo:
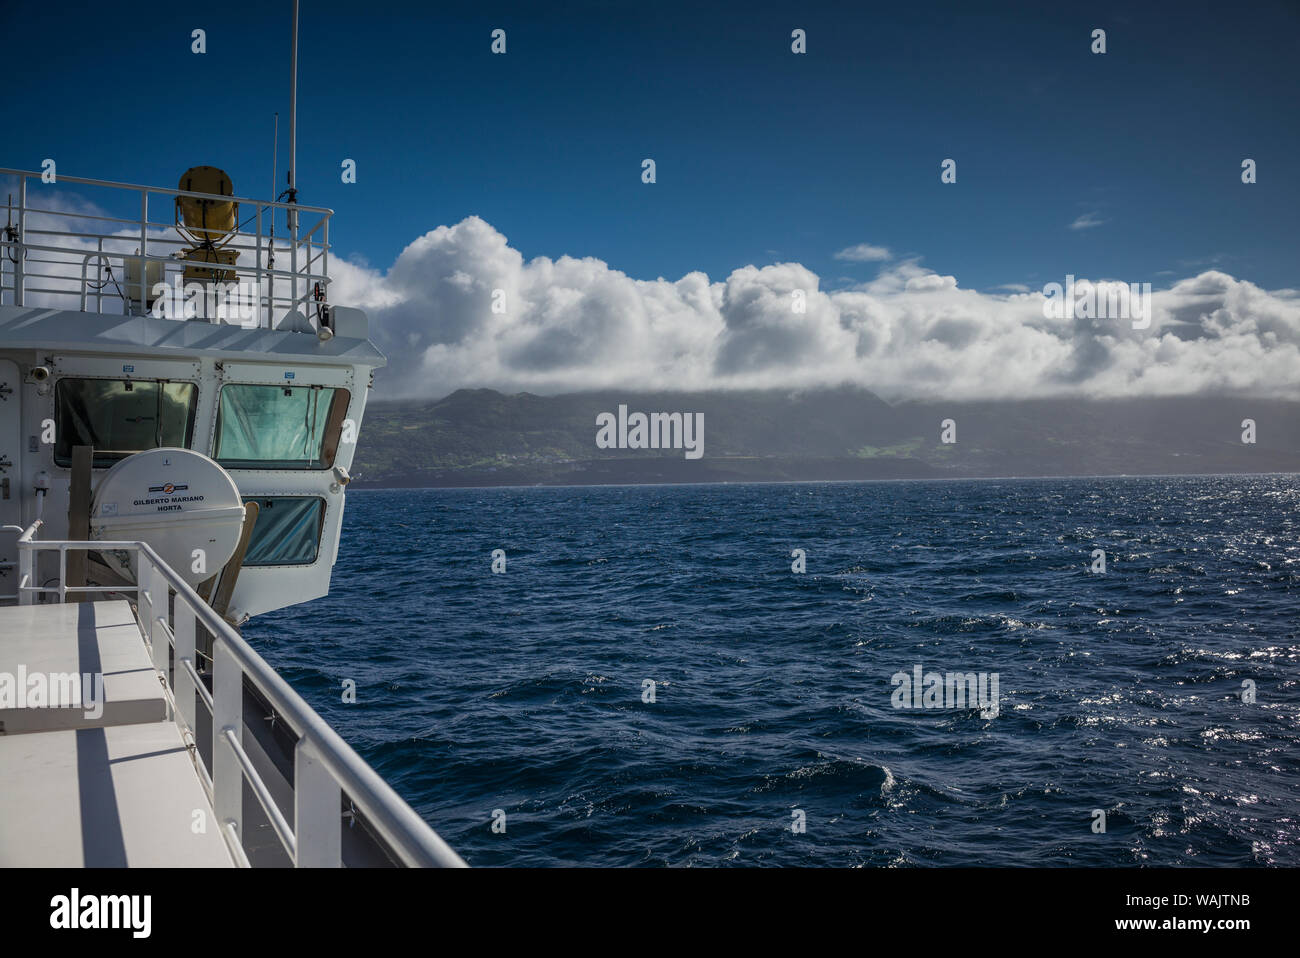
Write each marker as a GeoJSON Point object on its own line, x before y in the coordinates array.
{"type": "Point", "coordinates": [275, 171]}
{"type": "Point", "coordinates": [275, 148]}
{"type": "Point", "coordinates": [293, 127]}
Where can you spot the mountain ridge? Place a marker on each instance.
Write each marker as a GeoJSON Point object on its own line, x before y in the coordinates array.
{"type": "Point", "coordinates": [486, 437]}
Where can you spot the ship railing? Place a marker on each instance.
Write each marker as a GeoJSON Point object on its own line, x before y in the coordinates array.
{"type": "Point", "coordinates": [9, 566]}
{"type": "Point", "coordinates": [68, 251]}
{"type": "Point", "coordinates": [325, 766]}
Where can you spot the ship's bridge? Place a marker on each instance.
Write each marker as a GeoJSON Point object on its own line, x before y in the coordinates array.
{"type": "Point", "coordinates": [134, 318]}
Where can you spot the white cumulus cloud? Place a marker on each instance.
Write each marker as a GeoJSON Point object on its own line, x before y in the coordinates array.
{"type": "Point", "coordinates": [575, 324]}
{"type": "Point", "coordinates": [864, 253]}
{"type": "Point", "coordinates": [1086, 221]}
{"type": "Point", "coordinates": [571, 324]}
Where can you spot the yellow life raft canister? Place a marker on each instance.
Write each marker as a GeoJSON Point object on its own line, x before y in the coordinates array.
{"type": "Point", "coordinates": [209, 224]}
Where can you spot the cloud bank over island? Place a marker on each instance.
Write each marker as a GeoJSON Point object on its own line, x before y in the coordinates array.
{"type": "Point", "coordinates": [572, 324]}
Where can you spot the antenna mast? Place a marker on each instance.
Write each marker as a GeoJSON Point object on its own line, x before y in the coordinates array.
{"type": "Point", "coordinates": [275, 171]}
{"type": "Point", "coordinates": [275, 149]}
{"type": "Point", "coordinates": [293, 128]}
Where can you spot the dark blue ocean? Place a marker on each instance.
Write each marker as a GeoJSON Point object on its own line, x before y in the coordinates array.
{"type": "Point", "coordinates": [1120, 692]}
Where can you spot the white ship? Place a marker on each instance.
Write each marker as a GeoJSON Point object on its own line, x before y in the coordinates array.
{"type": "Point", "coordinates": [174, 459]}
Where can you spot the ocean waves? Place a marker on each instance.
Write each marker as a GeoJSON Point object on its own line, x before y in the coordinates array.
{"type": "Point", "coordinates": [648, 682]}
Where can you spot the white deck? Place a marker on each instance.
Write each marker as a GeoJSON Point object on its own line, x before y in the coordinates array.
{"type": "Point", "coordinates": [117, 790]}
{"type": "Point", "coordinates": [81, 638]}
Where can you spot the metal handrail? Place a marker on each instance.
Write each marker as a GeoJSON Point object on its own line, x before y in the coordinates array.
{"type": "Point", "coordinates": [325, 765]}
{"type": "Point", "coordinates": [307, 250]}
{"type": "Point", "coordinates": [85, 181]}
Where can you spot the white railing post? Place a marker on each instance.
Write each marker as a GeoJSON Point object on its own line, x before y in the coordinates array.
{"type": "Point", "coordinates": [293, 265]}
{"type": "Point", "coordinates": [24, 576]}
{"type": "Point", "coordinates": [317, 806]}
{"type": "Point", "coordinates": [259, 262]}
{"type": "Point", "coordinates": [4, 250]}
{"type": "Point", "coordinates": [144, 251]}
{"type": "Point", "coordinates": [158, 621]}
{"type": "Point", "coordinates": [144, 593]}
{"type": "Point", "coordinates": [20, 266]}
{"type": "Point", "coordinates": [182, 684]}
{"type": "Point", "coordinates": [98, 257]}
{"type": "Point", "coordinates": [227, 713]}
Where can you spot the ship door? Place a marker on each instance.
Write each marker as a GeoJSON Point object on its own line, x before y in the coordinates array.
{"type": "Point", "coordinates": [10, 474]}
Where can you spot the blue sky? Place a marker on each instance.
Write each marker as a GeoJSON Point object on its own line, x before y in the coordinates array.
{"type": "Point", "coordinates": [762, 156]}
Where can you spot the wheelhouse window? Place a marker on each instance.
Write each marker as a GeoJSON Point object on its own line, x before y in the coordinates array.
{"type": "Point", "coordinates": [119, 417]}
{"type": "Point", "coordinates": [279, 427]}
{"type": "Point", "coordinates": [287, 530]}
